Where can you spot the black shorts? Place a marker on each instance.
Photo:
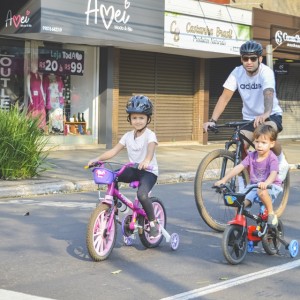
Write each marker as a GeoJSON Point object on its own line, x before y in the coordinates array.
{"type": "Point", "coordinates": [277, 119]}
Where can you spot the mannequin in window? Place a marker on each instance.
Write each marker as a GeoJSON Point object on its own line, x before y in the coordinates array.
{"type": "Point", "coordinates": [53, 86]}
{"type": "Point", "coordinates": [36, 102]}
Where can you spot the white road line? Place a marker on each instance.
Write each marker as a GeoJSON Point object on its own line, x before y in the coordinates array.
{"type": "Point", "coordinates": [84, 205]}
{"type": "Point", "coordinates": [10, 295]}
{"type": "Point", "coordinates": [233, 282]}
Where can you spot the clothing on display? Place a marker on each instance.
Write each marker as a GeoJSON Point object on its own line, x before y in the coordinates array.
{"type": "Point", "coordinates": [36, 103]}
{"type": "Point", "coordinates": [53, 86]}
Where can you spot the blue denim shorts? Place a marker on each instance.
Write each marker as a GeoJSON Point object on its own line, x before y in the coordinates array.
{"type": "Point", "coordinates": [277, 119]}
{"type": "Point", "coordinates": [273, 192]}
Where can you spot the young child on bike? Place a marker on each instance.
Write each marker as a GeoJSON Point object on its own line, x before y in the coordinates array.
{"type": "Point", "coordinates": [263, 168]}
{"type": "Point", "coordinates": [140, 144]}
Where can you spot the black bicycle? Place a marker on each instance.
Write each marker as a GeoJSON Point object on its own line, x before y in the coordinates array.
{"type": "Point", "coordinates": [214, 166]}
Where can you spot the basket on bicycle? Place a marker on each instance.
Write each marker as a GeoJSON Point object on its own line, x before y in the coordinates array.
{"type": "Point", "coordinates": [233, 199]}
{"type": "Point", "coordinates": [103, 176]}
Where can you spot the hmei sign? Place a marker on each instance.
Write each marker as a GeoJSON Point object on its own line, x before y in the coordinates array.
{"type": "Point", "coordinates": [61, 62]}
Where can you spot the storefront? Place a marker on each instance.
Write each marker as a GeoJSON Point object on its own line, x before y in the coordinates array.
{"type": "Point", "coordinates": [76, 63]}
{"type": "Point", "coordinates": [282, 32]}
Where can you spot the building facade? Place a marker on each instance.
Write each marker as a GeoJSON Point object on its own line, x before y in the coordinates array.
{"type": "Point", "coordinates": [76, 63]}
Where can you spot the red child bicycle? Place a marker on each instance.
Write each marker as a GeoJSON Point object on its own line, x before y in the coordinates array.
{"type": "Point", "coordinates": [239, 237]}
{"type": "Point", "coordinates": [102, 225]}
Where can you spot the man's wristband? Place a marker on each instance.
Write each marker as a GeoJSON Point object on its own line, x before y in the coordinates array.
{"type": "Point", "coordinates": [212, 120]}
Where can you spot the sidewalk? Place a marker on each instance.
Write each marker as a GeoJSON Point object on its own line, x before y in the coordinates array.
{"type": "Point", "coordinates": [176, 163]}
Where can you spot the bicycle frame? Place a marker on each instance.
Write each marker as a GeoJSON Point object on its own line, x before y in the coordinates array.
{"type": "Point", "coordinates": [112, 192]}
{"type": "Point", "coordinates": [237, 139]}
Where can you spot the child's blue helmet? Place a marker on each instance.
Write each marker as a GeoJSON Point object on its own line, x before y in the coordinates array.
{"type": "Point", "coordinates": [139, 104]}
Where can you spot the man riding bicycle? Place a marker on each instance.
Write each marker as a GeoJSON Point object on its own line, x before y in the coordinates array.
{"type": "Point", "coordinates": [256, 84]}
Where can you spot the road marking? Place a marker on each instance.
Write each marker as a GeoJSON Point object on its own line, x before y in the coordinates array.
{"type": "Point", "coordinates": [234, 282]}
{"type": "Point", "coordinates": [84, 205]}
{"type": "Point", "coordinates": [10, 295]}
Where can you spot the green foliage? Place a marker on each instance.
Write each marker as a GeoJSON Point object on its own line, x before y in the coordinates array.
{"type": "Point", "coordinates": [22, 143]}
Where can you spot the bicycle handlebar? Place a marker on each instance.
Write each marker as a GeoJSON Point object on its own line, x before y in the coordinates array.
{"type": "Point", "coordinates": [235, 124]}
{"type": "Point", "coordinates": [119, 171]}
{"type": "Point", "coordinates": [223, 188]}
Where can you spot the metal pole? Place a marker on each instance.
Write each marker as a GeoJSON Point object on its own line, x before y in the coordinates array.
{"type": "Point", "coordinates": [269, 56]}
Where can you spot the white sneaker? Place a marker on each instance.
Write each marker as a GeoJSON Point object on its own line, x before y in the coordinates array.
{"type": "Point", "coordinates": [283, 169]}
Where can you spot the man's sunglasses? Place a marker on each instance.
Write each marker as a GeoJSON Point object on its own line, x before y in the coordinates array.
{"type": "Point", "coordinates": [252, 58]}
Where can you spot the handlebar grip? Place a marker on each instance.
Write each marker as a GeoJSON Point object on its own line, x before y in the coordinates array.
{"type": "Point", "coordinates": [213, 129]}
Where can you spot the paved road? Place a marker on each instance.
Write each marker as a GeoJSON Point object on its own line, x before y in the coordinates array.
{"type": "Point", "coordinates": [43, 253]}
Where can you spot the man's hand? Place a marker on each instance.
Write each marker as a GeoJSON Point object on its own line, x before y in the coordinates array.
{"type": "Point", "coordinates": [260, 120]}
{"type": "Point", "coordinates": [208, 124]}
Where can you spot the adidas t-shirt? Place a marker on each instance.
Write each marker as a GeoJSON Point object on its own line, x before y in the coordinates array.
{"type": "Point", "coordinates": [251, 90]}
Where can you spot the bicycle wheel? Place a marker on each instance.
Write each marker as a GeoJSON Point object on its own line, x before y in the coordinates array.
{"type": "Point", "coordinates": [234, 244]}
{"type": "Point", "coordinates": [160, 214]}
{"type": "Point", "coordinates": [269, 241]}
{"type": "Point", "coordinates": [281, 201]}
{"type": "Point", "coordinates": [210, 204]}
{"type": "Point", "coordinates": [101, 236]}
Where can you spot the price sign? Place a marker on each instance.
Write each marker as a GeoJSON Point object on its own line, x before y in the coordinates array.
{"type": "Point", "coordinates": [61, 62]}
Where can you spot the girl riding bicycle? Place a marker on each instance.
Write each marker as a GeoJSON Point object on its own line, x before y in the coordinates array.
{"type": "Point", "coordinates": [141, 143]}
{"type": "Point", "coordinates": [263, 168]}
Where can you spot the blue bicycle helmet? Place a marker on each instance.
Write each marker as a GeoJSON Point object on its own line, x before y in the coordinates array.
{"type": "Point", "coordinates": [251, 47]}
{"type": "Point", "coordinates": [139, 104]}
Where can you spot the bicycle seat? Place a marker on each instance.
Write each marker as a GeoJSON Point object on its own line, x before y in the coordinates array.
{"type": "Point", "coordinates": [134, 184]}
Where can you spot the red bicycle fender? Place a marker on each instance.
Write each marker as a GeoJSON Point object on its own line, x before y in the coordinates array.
{"type": "Point", "coordinates": [238, 220]}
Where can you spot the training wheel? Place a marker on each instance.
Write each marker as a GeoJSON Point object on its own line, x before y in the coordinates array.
{"type": "Point", "coordinates": [174, 241]}
{"type": "Point", "coordinates": [128, 241]}
{"type": "Point", "coordinates": [293, 248]}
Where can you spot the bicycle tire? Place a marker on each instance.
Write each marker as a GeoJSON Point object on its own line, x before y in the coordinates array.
{"type": "Point", "coordinates": [99, 243]}
{"type": "Point", "coordinates": [281, 201]}
{"type": "Point", "coordinates": [234, 244]}
{"type": "Point", "coordinates": [160, 214]}
{"type": "Point", "coordinates": [209, 203]}
{"type": "Point", "coordinates": [271, 244]}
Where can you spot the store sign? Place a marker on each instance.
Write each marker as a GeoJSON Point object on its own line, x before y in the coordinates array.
{"type": "Point", "coordinates": [194, 33]}
{"type": "Point", "coordinates": [285, 38]}
{"type": "Point", "coordinates": [19, 16]}
{"type": "Point", "coordinates": [11, 67]}
{"type": "Point", "coordinates": [61, 62]}
{"type": "Point", "coordinates": [281, 68]}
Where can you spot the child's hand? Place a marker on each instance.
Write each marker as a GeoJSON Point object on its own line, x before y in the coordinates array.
{"type": "Point", "coordinates": [144, 165]}
{"type": "Point", "coordinates": [262, 185]}
{"type": "Point", "coordinates": [92, 162]}
{"type": "Point", "coordinates": [219, 182]}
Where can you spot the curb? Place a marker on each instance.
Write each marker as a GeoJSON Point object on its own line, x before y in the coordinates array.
{"type": "Point", "coordinates": [64, 186]}
{"type": "Point", "coordinates": [58, 186]}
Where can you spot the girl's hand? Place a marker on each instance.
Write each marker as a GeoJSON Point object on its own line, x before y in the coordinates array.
{"type": "Point", "coordinates": [144, 165]}
{"type": "Point", "coordinates": [92, 161]}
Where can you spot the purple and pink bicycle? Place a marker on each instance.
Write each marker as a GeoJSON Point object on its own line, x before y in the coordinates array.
{"type": "Point", "coordinates": [102, 225]}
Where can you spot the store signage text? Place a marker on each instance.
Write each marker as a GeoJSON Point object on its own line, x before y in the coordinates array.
{"type": "Point", "coordinates": [18, 20]}
{"type": "Point", "coordinates": [108, 15]}
{"type": "Point", "coordinates": [61, 62]}
{"type": "Point", "coordinates": [291, 40]}
{"type": "Point", "coordinates": [203, 34]}
{"type": "Point", "coordinates": [5, 73]}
